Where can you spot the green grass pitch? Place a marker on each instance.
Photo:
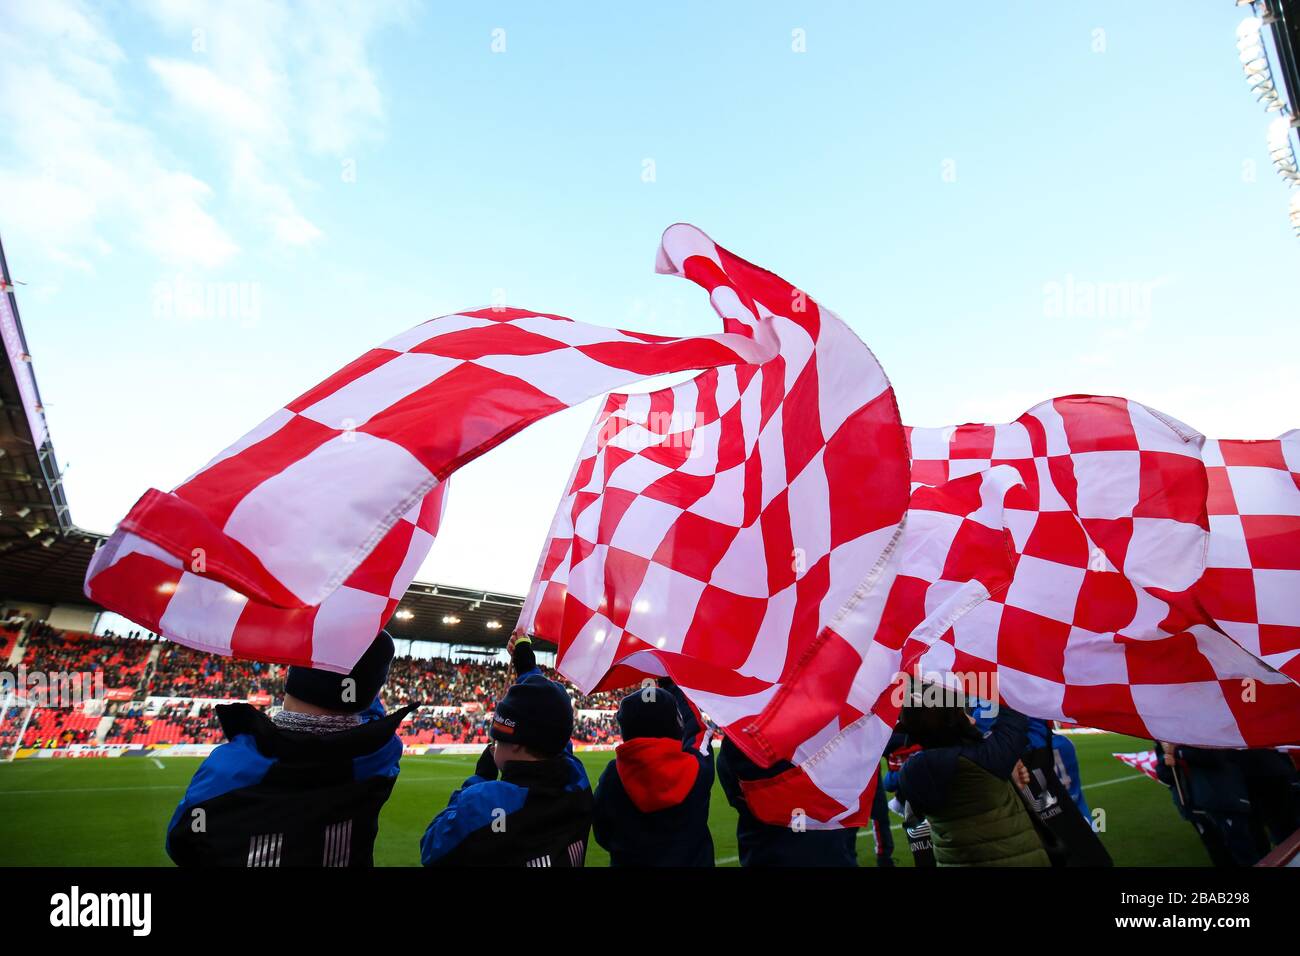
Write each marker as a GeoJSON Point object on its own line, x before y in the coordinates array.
{"type": "Point", "coordinates": [112, 812]}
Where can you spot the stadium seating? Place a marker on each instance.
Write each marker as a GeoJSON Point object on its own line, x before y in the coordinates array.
{"type": "Point", "coordinates": [121, 660]}
{"type": "Point", "coordinates": [439, 687]}
{"type": "Point", "coordinates": [181, 672]}
{"type": "Point", "coordinates": [173, 723]}
{"type": "Point", "coordinates": [57, 727]}
{"type": "Point", "coordinates": [8, 638]}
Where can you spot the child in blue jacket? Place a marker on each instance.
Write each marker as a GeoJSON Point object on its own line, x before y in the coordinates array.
{"type": "Point", "coordinates": [303, 788]}
{"type": "Point", "coordinates": [538, 813]}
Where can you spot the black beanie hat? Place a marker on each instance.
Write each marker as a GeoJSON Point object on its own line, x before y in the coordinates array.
{"type": "Point", "coordinates": [649, 712]}
{"type": "Point", "coordinates": [535, 713]}
{"type": "Point", "coordinates": [351, 692]}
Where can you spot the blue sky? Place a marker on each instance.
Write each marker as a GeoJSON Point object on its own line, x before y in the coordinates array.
{"type": "Point", "coordinates": [1007, 201]}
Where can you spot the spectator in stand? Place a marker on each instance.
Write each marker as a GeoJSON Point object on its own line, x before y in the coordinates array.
{"type": "Point", "coordinates": [122, 662]}
{"type": "Point", "coordinates": [652, 801]}
{"type": "Point", "coordinates": [302, 789]}
{"type": "Point", "coordinates": [180, 672]}
{"type": "Point", "coordinates": [539, 813]}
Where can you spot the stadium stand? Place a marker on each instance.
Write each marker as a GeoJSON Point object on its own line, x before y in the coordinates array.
{"type": "Point", "coordinates": [121, 660]}
{"type": "Point", "coordinates": [173, 690]}
{"type": "Point", "coordinates": [57, 727]}
{"type": "Point", "coordinates": [177, 722]}
{"type": "Point", "coordinates": [181, 672]}
{"type": "Point", "coordinates": [8, 638]}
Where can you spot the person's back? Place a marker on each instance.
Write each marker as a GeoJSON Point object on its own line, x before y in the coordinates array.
{"type": "Point", "coordinates": [652, 801]}
{"type": "Point", "coordinates": [271, 797]}
{"type": "Point", "coordinates": [764, 843]}
{"type": "Point", "coordinates": [538, 813]}
{"type": "Point", "coordinates": [302, 789]}
{"type": "Point", "coordinates": [961, 783]}
{"type": "Point", "coordinates": [1271, 782]}
{"type": "Point", "coordinates": [1217, 790]}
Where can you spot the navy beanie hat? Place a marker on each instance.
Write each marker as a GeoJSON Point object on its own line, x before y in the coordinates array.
{"type": "Point", "coordinates": [535, 713]}
{"type": "Point", "coordinates": [649, 712]}
{"type": "Point", "coordinates": [350, 693]}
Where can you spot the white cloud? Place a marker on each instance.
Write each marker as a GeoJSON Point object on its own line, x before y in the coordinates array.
{"type": "Point", "coordinates": [266, 79]}
{"type": "Point", "coordinates": [76, 166]}
{"type": "Point", "coordinates": [197, 90]}
{"type": "Point", "coordinates": [254, 83]}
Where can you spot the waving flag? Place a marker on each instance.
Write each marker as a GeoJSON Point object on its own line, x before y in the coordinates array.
{"type": "Point", "coordinates": [736, 532]}
{"type": "Point", "coordinates": [1116, 615]}
{"type": "Point", "coordinates": [1251, 586]}
{"type": "Point", "coordinates": [754, 534]}
{"type": "Point", "coordinates": [920, 589]}
{"type": "Point", "coordinates": [1144, 760]}
{"type": "Point", "coordinates": [295, 544]}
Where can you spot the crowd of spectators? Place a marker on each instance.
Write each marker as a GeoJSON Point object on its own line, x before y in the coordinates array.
{"type": "Point", "coordinates": [175, 722]}
{"type": "Point", "coordinates": [121, 661]}
{"type": "Point", "coordinates": [48, 727]}
{"type": "Point", "coordinates": [440, 682]}
{"type": "Point", "coordinates": [180, 672]}
{"type": "Point", "coordinates": [428, 726]}
{"type": "Point", "coordinates": [600, 729]}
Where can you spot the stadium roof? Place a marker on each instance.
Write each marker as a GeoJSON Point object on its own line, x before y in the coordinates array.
{"type": "Point", "coordinates": [440, 612]}
{"type": "Point", "coordinates": [43, 555]}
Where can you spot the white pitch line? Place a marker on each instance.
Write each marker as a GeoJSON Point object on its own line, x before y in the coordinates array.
{"type": "Point", "coordinates": [1107, 783]}
{"type": "Point", "coordinates": [158, 763]}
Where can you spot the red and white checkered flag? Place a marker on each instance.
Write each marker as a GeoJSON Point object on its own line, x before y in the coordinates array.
{"type": "Point", "coordinates": [1251, 585]}
{"type": "Point", "coordinates": [1148, 594]}
{"type": "Point", "coordinates": [295, 544]}
{"type": "Point", "coordinates": [750, 532]}
{"type": "Point", "coordinates": [1078, 560]}
{"type": "Point", "coordinates": [1144, 760]}
{"type": "Point", "coordinates": [736, 532]}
